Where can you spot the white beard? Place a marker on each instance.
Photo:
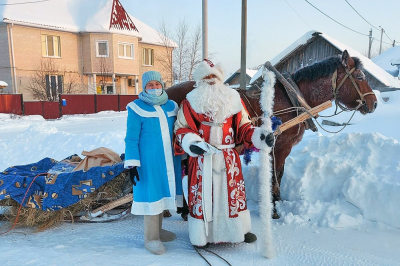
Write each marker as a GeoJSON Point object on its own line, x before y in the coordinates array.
{"type": "Point", "coordinates": [216, 101]}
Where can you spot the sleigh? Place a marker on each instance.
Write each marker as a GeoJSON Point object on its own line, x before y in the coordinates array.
{"type": "Point", "coordinates": [48, 192]}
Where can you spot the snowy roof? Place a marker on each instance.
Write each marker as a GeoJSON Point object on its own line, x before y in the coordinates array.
{"type": "Point", "coordinates": [369, 66]}
{"type": "Point", "coordinates": [388, 59]}
{"type": "Point", "coordinates": [3, 84]}
{"type": "Point", "coordinates": [100, 16]}
{"type": "Point", "coordinates": [249, 72]}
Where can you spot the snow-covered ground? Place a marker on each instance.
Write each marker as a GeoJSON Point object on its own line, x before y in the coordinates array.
{"type": "Point", "coordinates": [340, 198]}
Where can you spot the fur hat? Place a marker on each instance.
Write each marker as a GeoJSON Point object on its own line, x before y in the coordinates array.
{"type": "Point", "coordinates": [151, 75]}
{"type": "Point", "coordinates": [206, 67]}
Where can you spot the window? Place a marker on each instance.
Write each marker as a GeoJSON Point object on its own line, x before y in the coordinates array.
{"type": "Point", "coordinates": [51, 46]}
{"type": "Point", "coordinates": [148, 55]}
{"type": "Point", "coordinates": [54, 86]}
{"type": "Point", "coordinates": [102, 48]}
{"type": "Point", "coordinates": [125, 50]}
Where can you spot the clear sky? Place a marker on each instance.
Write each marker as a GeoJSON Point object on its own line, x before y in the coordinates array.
{"type": "Point", "coordinates": [273, 25]}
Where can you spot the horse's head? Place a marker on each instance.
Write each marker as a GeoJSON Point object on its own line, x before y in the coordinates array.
{"type": "Point", "coordinates": [351, 87]}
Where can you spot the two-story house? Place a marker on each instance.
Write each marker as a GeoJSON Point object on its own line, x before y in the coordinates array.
{"type": "Point", "coordinates": [72, 46]}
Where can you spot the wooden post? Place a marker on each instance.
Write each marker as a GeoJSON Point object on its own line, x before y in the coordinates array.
{"type": "Point", "coordinates": [242, 77]}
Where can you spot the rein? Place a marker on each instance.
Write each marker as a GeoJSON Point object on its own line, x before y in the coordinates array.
{"type": "Point", "coordinates": [335, 90]}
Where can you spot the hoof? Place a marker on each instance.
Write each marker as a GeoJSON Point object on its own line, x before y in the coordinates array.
{"type": "Point", "coordinates": [167, 214]}
{"type": "Point", "coordinates": [250, 237]}
{"type": "Point", "coordinates": [184, 216]}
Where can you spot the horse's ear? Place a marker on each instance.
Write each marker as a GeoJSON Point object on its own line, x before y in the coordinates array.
{"type": "Point", "coordinates": [345, 58]}
{"type": "Point", "coordinates": [347, 61]}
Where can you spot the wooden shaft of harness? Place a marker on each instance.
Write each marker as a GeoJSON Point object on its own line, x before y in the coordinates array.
{"type": "Point", "coordinates": [113, 204]}
{"type": "Point", "coordinates": [304, 116]}
{"type": "Point", "coordinates": [287, 85]}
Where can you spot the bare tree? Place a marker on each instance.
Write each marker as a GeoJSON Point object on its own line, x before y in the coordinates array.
{"type": "Point", "coordinates": [72, 83]}
{"type": "Point", "coordinates": [188, 53]}
{"type": "Point", "coordinates": [181, 53]}
{"type": "Point", "coordinates": [48, 81]}
{"type": "Point", "coordinates": [194, 52]}
{"type": "Point", "coordinates": [165, 58]}
{"type": "Point", "coordinates": [103, 70]}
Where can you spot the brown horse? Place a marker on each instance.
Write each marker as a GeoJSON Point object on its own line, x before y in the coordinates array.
{"type": "Point", "coordinates": [338, 78]}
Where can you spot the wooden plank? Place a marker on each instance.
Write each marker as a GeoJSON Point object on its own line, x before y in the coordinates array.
{"type": "Point", "coordinates": [112, 205]}
{"type": "Point", "coordinates": [298, 119]}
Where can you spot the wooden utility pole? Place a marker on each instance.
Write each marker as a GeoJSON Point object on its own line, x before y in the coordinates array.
{"type": "Point", "coordinates": [243, 48]}
{"type": "Point", "coordinates": [205, 30]}
{"type": "Point", "coordinates": [370, 43]}
{"type": "Point", "coordinates": [380, 46]}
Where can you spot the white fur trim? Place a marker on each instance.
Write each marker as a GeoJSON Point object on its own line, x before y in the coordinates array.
{"type": "Point", "coordinates": [255, 138]}
{"type": "Point", "coordinates": [204, 69]}
{"type": "Point", "coordinates": [141, 112]}
{"type": "Point", "coordinates": [153, 208]}
{"type": "Point", "coordinates": [233, 101]}
{"type": "Point", "coordinates": [222, 228]}
{"type": "Point", "coordinates": [131, 163]}
{"type": "Point", "coordinates": [175, 111]}
{"type": "Point", "coordinates": [187, 140]}
{"type": "Point", "coordinates": [166, 139]}
{"type": "Point", "coordinates": [232, 231]}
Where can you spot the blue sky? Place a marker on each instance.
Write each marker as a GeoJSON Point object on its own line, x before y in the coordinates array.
{"type": "Point", "coordinates": [274, 25]}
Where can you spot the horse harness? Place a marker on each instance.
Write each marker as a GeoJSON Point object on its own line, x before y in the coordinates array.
{"type": "Point", "coordinates": [335, 90]}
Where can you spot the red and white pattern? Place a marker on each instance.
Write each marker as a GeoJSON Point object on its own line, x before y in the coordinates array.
{"type": "Point", "coordinates": [120, 20]}
{"type": "Point", "coordinates": [236, 129]}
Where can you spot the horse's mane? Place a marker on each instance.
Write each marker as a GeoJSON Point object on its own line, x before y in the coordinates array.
{"type": "Point", "coordinates": [322, 68]}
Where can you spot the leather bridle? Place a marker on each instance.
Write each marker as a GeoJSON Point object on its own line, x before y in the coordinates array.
{"type": "Point", "coordinates": [335, 90]}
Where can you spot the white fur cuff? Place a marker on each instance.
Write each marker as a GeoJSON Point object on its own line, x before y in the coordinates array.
{"type": "Point", "coordinates": [188, 140]}
{"type": "Point", "coordinates": [256, 138]}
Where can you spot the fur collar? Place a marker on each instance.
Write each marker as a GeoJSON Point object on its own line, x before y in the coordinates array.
{"type": "Point", "coordinates": [233, 101]}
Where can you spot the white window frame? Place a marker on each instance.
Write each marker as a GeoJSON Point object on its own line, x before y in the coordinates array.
{"type": "Point", "coordinates": [151, 54]}
{"type": "Point", "coordinates": [97, 48]}
{"type": "Point", "coordinates": [126, 45]}
{"type": "Point", "coordinates": [54, 46]}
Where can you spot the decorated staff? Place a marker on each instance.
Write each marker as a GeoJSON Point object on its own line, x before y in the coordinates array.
{"type": "Point", "coordinates": [265, 171]}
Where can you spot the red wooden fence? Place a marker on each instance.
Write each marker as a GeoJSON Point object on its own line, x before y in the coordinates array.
{"type": "Point", "coordinates": [11, 104]}
{"type": "Point", "coordinates": [69, 104]}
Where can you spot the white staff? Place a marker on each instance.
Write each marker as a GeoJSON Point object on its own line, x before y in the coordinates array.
{"type": "Point", "coordinates": [265, 171]}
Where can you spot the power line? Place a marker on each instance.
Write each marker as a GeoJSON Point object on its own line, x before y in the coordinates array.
{"type": "Point", "coordinates": [387, 36]}
{"type": "Point", "coordinates": [360, 15]}
{"type": "Point", "coordinates": [368, 22]}
{"type": "Point", "coordinates": [23, 3]}
{"type": "Point", "coordinates": [298, 14]}
{"type": "Point", "coordinates": [375, 39]}
{"type": "Point", "coordinates": [337, 21]}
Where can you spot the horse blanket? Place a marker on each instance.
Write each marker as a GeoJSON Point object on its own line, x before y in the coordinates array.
{"type": "Point", "coordinates": [50, 185]}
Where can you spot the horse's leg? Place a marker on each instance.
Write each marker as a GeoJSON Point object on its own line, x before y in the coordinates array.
{"type": "Point", "coordinates": [278, 163]}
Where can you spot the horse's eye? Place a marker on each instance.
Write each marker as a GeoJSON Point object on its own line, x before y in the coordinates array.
{"type": "Point", "coordinates": [360, 78]}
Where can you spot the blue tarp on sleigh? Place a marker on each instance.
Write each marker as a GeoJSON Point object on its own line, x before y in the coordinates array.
{"type": "Point", "coordinates": [55, 186]}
